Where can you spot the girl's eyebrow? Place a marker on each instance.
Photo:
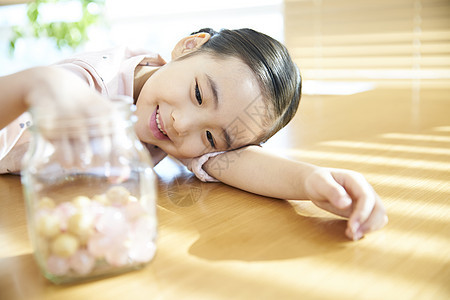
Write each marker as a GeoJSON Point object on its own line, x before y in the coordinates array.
{"type": "Point", "coordinates": [227, 138]}
{"type": "Point", "coordinates": [213, 86]}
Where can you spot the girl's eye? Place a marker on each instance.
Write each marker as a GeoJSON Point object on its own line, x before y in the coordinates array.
{"type": "Point", "coordinates": [210, 139]}
{"type": "Point", "coordinates": [197, 94]}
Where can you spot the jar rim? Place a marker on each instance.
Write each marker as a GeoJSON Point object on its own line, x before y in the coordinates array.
{"type": "Point", "coordinates": [122, 115]}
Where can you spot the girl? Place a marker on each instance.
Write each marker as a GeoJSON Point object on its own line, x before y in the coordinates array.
{"type": "Point", "coordinates": [222, 95]}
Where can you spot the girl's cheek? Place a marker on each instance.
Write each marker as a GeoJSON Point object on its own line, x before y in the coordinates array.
{"type": "Point", "coordinates": [190, 150]}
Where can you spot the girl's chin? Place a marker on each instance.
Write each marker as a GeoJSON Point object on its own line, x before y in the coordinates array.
{"type": "Point", "coordinates": [171, 152]}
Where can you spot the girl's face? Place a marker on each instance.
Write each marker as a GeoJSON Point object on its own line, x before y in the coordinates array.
{"type": "Point", "coordinates": [200, 104]}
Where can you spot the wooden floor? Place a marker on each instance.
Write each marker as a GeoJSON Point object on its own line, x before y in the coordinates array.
{"type": "Point", "coordinates": [216, 242]}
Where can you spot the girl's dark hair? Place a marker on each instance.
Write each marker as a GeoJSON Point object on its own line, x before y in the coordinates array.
{"type": "Point", "coordinates": [278, 76]}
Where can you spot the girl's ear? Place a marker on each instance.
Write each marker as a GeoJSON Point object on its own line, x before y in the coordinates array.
{"type": "Point", "coordinates": [189, 44]}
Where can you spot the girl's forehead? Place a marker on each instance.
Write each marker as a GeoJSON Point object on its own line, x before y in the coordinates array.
{"type": "Point", "coordinates": [222, 62]}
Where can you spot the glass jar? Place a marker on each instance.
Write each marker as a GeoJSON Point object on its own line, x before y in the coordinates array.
{"type": "Point", "coordinates": [90, 195]}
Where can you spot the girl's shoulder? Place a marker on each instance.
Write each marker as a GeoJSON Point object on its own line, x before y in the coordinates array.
{"type": "Point", "coordinates": [114, 58]}
{"type": "Point", "coordinates": [111, 71]}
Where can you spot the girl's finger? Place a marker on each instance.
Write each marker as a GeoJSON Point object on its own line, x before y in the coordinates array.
{"type": "Point", "coordinates": [326, 205]}
{"type": "Point", "coordinates": [376, 220]}
{"type": "Point", "coordinates": [81, 148]}
{"type": "Point", "coordinates": [66, 151]}
{"type": "Point", "coordinates": [330, 190]}
{"type": "Point", "coordinates": [363, 195]}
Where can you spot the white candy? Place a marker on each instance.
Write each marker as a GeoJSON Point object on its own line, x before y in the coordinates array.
{"type": "Point", "coordinates": [81, 202]}
{"type": "Point", "coordinates": [102, 199]}
{"type": "Point", "coordinates": [81, 225]}
{"type": "Point", "coordinates": [64, 245]}
{"type": "Point", "coordinates": [118, 195]}
{"type": "Point", "coordinates": [48, 225]}
{"type": "Point", "coordinates": [46, 202]}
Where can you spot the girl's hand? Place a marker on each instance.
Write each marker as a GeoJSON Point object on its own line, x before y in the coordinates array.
{"type": "Point", "coordinates": [55, 91]}
{"type": "Point", "coordinates": [347, 194]}
{"type": "Point", "coordinates": [64, 106]}
{"type": "Point", "coordinates": [48, 91]}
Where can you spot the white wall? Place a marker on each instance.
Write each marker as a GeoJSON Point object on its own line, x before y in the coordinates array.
{"type": "Point", "coordinates": [152, 25]}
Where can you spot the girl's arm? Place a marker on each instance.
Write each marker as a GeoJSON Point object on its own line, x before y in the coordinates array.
{"type": "Point", "coordinates": [342, 192]}
{"type": "Point", "coordinates": [13, 91]}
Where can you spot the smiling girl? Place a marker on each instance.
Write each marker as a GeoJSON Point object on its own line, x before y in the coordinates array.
{"type": "Point", "coordinates": [222, 95]}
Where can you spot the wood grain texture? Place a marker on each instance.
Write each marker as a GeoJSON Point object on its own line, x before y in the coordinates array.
{"type": "Point", "coordinates": [216, 242]}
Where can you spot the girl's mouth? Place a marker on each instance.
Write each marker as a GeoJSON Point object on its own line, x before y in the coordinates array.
{"type": "Point", "coordinates": [159, 122]}
{"type": "Point", "coordinates": [157, 125]}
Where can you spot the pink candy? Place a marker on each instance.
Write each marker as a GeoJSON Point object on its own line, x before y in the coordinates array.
{"type": "Point", "coordinates": [117, 256]}
{"type": "Point", "coordinates": [82, 262]}
{"type": "Point", "coordinates": [142, 246]}
{"type": "Point", "coordinates": [64, 211]}
{"type": "Point", "coordinates": [142, 251]}
{"type": "Point", "coordinates": [112, 222]}
{"type": "Point", "coordinates": [133, 210]}
{"type": "Point", "coordinates": [122, 234]}
{"type": "Point", "coordinates": [99, 244]}
{"type": "Point", "coordinates": [57, 265]}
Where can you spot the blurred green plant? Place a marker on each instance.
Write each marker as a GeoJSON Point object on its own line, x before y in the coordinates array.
{"type": "Point", "coordinates": [64, 34]}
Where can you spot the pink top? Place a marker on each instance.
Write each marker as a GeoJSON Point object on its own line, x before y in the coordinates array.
{"type": "Point", "coordinates": [110, 72]}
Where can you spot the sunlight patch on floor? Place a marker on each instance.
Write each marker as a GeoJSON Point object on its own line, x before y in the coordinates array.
{"type": "Point", "coordinates": [388, 147]}
{"type": "Point", "coordinates": [417, 137]}
{"type": "Point", "coordinates": [410, 247]}
{"type": "Point", "coordinates": [413, 208]}
{"type": "Point", "coordinates": [366, 159]}
{"type": "Point", "coordinates": [409, 182]}
{"type": "Point", "coordinates": [442, 129]}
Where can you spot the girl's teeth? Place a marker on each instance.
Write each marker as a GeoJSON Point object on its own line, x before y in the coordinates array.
{"type": "Point", "coordinates": [158, 123]}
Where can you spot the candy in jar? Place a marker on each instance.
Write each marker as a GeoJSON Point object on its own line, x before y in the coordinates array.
{"type": "Point", "coordinates": [90, 195]}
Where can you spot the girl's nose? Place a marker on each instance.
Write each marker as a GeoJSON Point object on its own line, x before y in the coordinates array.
{"type": "Point", "coordinates": [182, 123]}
